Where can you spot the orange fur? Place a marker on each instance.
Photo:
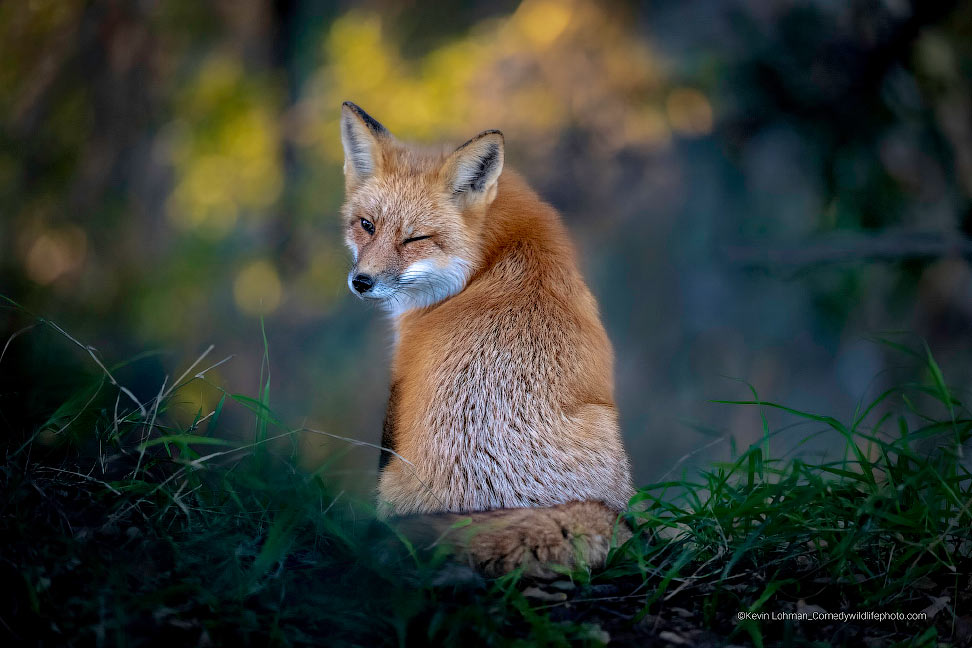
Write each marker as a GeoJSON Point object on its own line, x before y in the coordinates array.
{"type": "Point", "coordinates": [502, 387]}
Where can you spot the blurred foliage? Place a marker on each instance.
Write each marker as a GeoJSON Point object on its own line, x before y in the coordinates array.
{"type": "Point", "coordinates": [224, 148]}
{"type": "Point", "coordinates": [753, 186]}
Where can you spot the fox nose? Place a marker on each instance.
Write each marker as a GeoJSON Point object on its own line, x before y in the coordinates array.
{"type": "Point", "coordinates": [362, 283]}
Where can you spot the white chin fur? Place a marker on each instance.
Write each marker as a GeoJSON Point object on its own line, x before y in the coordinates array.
{"type": "Point", "coordinates": [425, 283]}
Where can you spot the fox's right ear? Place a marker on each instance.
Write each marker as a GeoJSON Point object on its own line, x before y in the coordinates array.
{"type": "Point", "coordinates": [361, 135]}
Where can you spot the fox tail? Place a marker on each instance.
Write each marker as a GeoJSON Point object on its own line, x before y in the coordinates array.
{"type": "Point", "coordinates": [575, 534]}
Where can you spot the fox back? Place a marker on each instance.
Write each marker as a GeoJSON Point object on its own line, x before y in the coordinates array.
{"type": "Point", "coordinates": [501, 387]}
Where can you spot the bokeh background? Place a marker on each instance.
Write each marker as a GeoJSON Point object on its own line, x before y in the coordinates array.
{"type": "Point", "coordinates": [755, 188]}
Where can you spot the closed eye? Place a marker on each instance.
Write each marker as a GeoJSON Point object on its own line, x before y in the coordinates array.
{"type": "Point", "coordinates": [416, 238]}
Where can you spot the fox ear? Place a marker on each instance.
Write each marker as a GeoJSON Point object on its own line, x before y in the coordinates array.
{"type": "Point", "coordinates": [361, 135]}
{"type": "Point", "coordinates": [474, 168]}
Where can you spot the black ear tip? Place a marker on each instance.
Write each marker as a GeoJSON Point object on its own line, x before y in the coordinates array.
{"type": "Point", "coordinates": [353, 107]}
{"type": "Point", "coordinates": [369, 121]}
{"type": "Point", "coordinates": [490, 133]}
{"type": "Point", "coordinates": [483, 135]}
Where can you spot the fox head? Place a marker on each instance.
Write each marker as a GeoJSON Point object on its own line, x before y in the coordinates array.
{"type": "Point", "coordinates": [412, 218]}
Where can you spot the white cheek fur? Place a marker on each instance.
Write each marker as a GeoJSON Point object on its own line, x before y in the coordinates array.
{"type": "Point", "coordinates": [425, 282]}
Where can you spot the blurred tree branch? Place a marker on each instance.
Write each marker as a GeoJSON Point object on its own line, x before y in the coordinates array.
{"type": "Point", "coordinates": [889, 245]}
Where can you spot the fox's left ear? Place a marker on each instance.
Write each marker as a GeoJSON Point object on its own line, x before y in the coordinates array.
{"type": "Point", "coordinates": [361, 135]}
{"type": "Point", "coordinates": [474, 168]}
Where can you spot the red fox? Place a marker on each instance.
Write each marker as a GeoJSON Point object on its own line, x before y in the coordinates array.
{"type": "Point", "coordinates": [501, 405]}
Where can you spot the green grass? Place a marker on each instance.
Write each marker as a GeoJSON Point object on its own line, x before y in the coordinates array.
{"type": "Point", "coordinates": [121, 527]}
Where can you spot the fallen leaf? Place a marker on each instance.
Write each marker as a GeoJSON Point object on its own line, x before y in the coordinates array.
{"type": "Point", "coordinates": [671, 637]}
{"type": "Point", "coordinates": [541, 595]}
{"type": "Point", "coordinates": [924, 583]}
{"type": "Point", "coordinates": [802, 606]}
{"type": "Point", "coordinates": [938, 604]}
